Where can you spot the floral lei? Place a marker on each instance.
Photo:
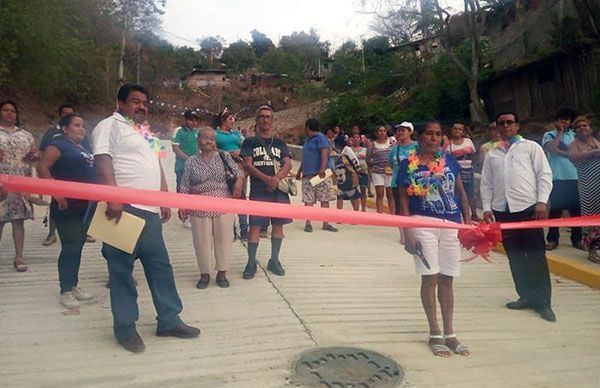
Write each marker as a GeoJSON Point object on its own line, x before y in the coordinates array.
{"type": "Point", "coordinates": [431, 178]}
{"type": "Point", "coordinates": [153, 141]}
{"type": "Point", "coordinates": [505, 144]}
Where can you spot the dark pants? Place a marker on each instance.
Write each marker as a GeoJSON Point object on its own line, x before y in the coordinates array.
{"type": "Point", "coordinates": [153, 254]}
{"type": "Point", "coordinates": [396, 195]}
{"type": "Point", "coordinates": [526, 251]}
{"type": "Point", "coordinates": [178, 177]}
{"type": "Point", "coordinates": [564, 196]}
{"type": "Point", "coordinates": [72, 232]}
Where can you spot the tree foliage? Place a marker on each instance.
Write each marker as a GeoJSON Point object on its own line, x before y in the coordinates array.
{"type": "Point", "coordinates": [239, 56]}
{"type": "Point", "coordinates": [260, 43]}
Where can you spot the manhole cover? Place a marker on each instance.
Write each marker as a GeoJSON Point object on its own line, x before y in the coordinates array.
{"type": "Point", "coordinates": [346, 367]}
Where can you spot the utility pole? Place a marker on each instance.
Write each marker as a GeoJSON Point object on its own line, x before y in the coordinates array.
{"type": "Point", "coordinates": [362, 52]}
{"type": "Point", "coordinates": [123, 42]}
{"type": "Point", "coordinates": [139, 64]}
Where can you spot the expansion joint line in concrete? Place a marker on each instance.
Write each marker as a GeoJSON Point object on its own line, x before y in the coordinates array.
{"type": "Point", "coordinates": [298, 317]}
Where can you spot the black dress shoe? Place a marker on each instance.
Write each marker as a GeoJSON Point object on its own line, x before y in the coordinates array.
{"type": "Point", "coordinates": [134, 343]}
{"type": "Point", "coordinates": [222, 282]}
{"type": "Point", "coordinates": [546, 313]}
{"type": "Point", "coordinates": [275, 267]}
{"type": "Point", "coordinates": [520, 304]}
{"type": "Point", "coordinates": [249, 271]}
{"type": "Point", "coordinates": [203, 282]}
{"type": "Point", "coordinates": [180, 331]}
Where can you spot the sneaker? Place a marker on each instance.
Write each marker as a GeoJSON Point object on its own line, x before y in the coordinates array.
{"type": "Point", "coordinates": [134, 344]}
{"type": "Point", "coordinates": [79, 294]}
{"type": "Point", "coordinates": [51, 239]}
{"type": "Point", "coordinates": [180, 331]}
{"type": "Point", "coordinates": [249, 271]}
{"type": "Point", "coordinates": [222, 281]}
{"type": "Point", "coordinates": [308, 228]}
{"type": "Point", "coordinates": [275, 267]}
{"type": "Point", "coordinates": [68, 300]}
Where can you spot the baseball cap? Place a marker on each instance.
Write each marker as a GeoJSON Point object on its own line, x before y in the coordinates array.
{"type": "Point", "coordinates": [190, 114]}
{"type": "Point", "coordinates": [405, 124]}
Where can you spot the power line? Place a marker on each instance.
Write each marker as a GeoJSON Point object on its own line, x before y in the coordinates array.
{"type": "Point", "coordinates": [179, 37]}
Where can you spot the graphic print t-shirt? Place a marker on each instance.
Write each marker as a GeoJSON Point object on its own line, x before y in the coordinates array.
{"type": "Point", "coordinates": [261, 160]}
{"type": "Point", "coordinates": [443, 202]}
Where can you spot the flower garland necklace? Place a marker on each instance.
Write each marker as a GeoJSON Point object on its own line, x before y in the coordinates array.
{"type": "Point", "coordinates": [505, 144]}
{"type": "Point", "coordinates": [154, 142]}
{"type": "Point", "coordinates": [430, 180]}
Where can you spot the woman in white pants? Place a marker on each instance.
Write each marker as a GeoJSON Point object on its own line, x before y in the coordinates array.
{"type": "Point", "coordinates": [207, 173]}
{"type": "Point", "coordinates": [431, 188]}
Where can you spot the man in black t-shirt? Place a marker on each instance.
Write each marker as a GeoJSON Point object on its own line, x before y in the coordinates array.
{"type": "Point", "coordinates": [259, 154]}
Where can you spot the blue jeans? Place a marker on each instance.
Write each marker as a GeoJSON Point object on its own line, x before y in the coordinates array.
{"type": "Point", "coordinates": [72, 232]}
{"type": "Point", "coordinates": [151, 251]}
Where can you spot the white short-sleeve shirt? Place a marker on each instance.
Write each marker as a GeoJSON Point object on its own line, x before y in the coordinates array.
{"type": "Point", "coordinates": [135, 164]}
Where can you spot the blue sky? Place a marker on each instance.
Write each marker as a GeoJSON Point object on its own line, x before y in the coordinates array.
{"type": "Point", "coordinates": [185, 21]}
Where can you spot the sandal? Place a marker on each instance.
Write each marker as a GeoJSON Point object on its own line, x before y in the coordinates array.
{"type": "Point", "coordinates": [440, 350]}
{"type": "Point", "coordinates": [20, 265]}
{"type": "Point", "coordinates": [593, 257]}
{"type": "Point", "coordinates": [461, 349]}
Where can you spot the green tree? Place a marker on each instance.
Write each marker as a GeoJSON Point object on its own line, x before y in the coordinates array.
{"type": "Point", "coordinates": [260, 43]}
{"type": "Point", "coordinates": [277, 61]}
{"type": "Point", "coordinates": [239, 56]}
{"type": "Point", "coordinates": [211, 48]}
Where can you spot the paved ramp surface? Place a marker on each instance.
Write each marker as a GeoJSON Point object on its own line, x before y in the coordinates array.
{"type": "Point", "coordinates": [353, 288]}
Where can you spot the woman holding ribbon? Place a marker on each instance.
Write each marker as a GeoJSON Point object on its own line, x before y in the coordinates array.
{"type": "Point", "coordinates": [431, 188]}
{"type": "Point", "coordinates": [207, 174]}
{"type": "Point", "coordinates": [584, 152]}
{"type": "Point", "coordinates": [67, 158]}
{"type": "Point", "coordinates": [18, 151]}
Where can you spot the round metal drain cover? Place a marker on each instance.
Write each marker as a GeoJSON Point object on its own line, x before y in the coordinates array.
{"type": "Point", "coordinates": [346, 367]}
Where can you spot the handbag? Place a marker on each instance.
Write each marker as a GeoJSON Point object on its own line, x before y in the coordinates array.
{"type": "Point", "coordinates": [230, 177]}
{"type": "Point", "coordinates": [286, 185]}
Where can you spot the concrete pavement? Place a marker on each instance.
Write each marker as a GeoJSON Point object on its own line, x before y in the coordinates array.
{"type": "Point", "coordinates": [352, 288]}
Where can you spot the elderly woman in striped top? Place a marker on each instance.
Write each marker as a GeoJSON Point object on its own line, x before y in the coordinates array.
{"type": "Point", "coordinates": [206, 174]}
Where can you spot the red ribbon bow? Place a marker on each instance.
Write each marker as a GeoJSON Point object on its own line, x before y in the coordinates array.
{"type": "Point", "coordinates": [480, 240]}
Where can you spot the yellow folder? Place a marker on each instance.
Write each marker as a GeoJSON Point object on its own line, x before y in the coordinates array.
{"type": "Point", "coordinates": [123, 236]}
{"type": "Point", "coordinates": [317, 179]}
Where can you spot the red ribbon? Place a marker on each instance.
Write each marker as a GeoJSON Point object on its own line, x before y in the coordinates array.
{"type": "Point", "coordinates": [479, 239]}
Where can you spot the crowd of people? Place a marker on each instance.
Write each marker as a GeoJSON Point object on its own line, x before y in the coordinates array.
{"type": "Point", "coordinates": [419, 170]}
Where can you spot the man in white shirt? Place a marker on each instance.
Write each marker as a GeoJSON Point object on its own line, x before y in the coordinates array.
{"type": "Point", "coordinates": [516, 182]}
{"type": "Point", "coordinates": [124, 157]}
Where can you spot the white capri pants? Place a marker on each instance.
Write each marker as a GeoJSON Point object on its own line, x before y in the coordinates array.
{"type": "Point", "coordinates": [213, 235]}
{"type": "Point", "coordinates": [440, 247]}
{"type": "Point", "coordinates": [381, 179]}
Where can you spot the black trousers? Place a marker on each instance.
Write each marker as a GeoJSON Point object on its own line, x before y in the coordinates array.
{"type": "Point", "coordinates": [564, 196]}
{"type": "Point", "coordinates": [526, 251]}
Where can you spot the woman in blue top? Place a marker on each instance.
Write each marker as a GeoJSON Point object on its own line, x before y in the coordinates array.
{"type": "Point", "coordinates": [230, 141]}
{"type": "Point", "coordinates": [66, 158]}
{"type": "Point", "coordinates": [431, 188]}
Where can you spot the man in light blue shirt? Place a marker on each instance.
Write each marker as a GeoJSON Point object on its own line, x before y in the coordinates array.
{"type": "Point", "coordinates": [565, 193]}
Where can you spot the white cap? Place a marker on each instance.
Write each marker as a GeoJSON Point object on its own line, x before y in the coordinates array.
{"type": "Point", "coordinates": [406, 124]}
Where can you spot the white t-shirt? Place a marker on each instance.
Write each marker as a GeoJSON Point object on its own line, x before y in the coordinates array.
{"type": "Point", "coordinates": [135, 164]}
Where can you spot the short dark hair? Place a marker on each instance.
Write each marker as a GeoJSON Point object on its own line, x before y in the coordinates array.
{"type": "Point", "coordinates": [65, 121]}
{"type": "Point", "coordinates": [566, 113]}
{"type": "Point", "coordinates": [65, 105]}
{"type": "Point", "coordinates": [506, 113]}
{"type": "Point", "coordinates": [313, 124]}
{"type": "Point", "coordinates": [421, 126]}
{"type": "Point", "coordinates": [127, 88]}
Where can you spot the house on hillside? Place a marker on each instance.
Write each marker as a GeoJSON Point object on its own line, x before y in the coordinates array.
{"type": "Point", "coordinates": [203, 78]}
{"type": "Point", "coordinates": [545, 55]}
